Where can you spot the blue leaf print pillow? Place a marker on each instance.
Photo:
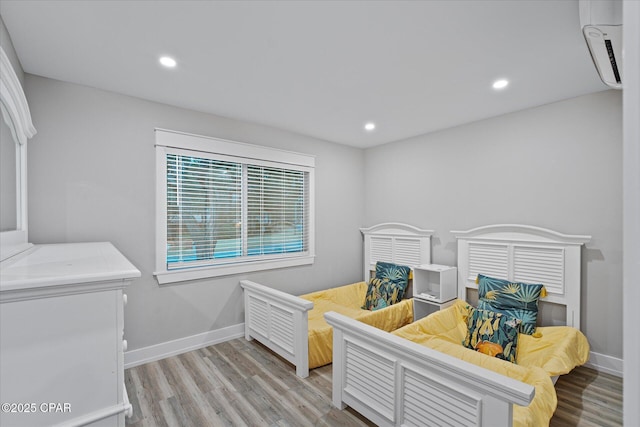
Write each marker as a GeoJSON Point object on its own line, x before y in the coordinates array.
{"type": "Point", "coordinates": [397, 274]}
{"type": "Point", "coordinates": [379, 295]}
{"type": "Point", "coordinates": [387, 287]}
{"type": "Point", "coordinates": [519, 300]}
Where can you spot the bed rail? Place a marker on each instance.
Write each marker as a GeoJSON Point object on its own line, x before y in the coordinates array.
{"type": "Point", "coordinates": [279, 321]}
{"type": "Point", "coordinates": [393, 381]}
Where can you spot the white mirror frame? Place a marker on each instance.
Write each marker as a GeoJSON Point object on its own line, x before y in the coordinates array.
{"type": "Point", "coordinates": [15, 112]}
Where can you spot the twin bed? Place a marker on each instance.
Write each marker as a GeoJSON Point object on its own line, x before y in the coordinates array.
{"type": "Point", "coordinates": [421, 375]}
{"type": "Point", "coordinates": [295, 328]}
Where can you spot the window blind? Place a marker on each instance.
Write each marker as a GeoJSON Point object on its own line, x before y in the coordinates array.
{"type": "Point", "coordinates": [276, 210]}
{"type": "Point", "coordinates": [221, 211]}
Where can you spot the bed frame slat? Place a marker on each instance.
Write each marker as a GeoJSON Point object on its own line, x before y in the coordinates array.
{"type": "Point", "coordinates": [540, 265]}
{"type": "Point", "coordinates": [407, 251]}
{"type": "Point", "coordinates": [381, 248]}
{"type": "Point", "coordinates": [443, 403]}
{"type": "Point", "coordinates": [370, 377]}
{"type": "Point", "coordinates": [491, 260]}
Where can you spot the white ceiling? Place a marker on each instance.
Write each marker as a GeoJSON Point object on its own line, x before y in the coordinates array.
{"type": "Point", "coordinates": [320, 68]}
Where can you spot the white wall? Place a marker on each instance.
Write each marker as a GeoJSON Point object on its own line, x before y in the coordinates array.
{"type": "Point", "coordinates": [91, 178]}
{"type": "Point", "coordinates": [557, 166]}
{"type": "Point", "coordinates": [631, 211]}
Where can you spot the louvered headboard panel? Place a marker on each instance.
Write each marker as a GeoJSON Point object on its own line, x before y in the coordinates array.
{"type": "Point", "coordinates": [522, 253]}
{"type": "Point", "coordinates": [398, 243]}
{"type": "Point", "coordinates": [488, 259]}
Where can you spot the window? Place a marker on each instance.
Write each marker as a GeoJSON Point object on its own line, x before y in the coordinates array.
{"type": "Point", "coordinates": [225, 207]}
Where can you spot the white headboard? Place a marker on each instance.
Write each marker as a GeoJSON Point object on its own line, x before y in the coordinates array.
{"type": "Point", "coordinates": [523, 253]}
{"type": "Point", "coordinates": [397, 243]}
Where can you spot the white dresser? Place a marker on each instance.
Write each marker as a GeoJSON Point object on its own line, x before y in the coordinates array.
{"type": "Point", "coordinates": [61, 336]}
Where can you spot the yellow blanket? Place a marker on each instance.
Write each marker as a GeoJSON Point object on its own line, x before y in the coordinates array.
{"type": "Point", "coordinates": [347, 300]}
{"type": "Point", "coordinates": [556, 351]}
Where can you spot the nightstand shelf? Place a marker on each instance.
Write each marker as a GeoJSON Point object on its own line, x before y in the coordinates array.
{"type": "Point", "coordinates": [434, 288]}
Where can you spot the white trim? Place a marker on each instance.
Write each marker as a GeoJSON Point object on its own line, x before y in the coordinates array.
{"type": "Point", "coordinates": [173, 276]}
{"type": "Point", "coordinates": [182, 345]}
{"type": "Point", "coordinates": [631, 210]}
{"type": "Point", "coordinates": [395, 229]}
{"type": "Point", "coordinates": [95, 416]}
{"type": "Point", "coordinates": [604, 363]}
{"type": "Point", "coordinates": [520, 233]}
{"type": "Point", "coordinates": [161, 210]}
{"type": "Point", "coordinates": [207, 144]}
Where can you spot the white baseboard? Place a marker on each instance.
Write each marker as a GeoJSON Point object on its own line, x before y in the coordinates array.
{"type": "Point", "coordinates": [599, 362]}
{"type": "Point", "coordinates": [171, 348]}
{"type": "Point", "coordinates": [603, 363]}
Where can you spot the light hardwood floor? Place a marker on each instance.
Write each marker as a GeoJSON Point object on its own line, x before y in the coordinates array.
{"type": "Point", "coordinates": [240, 383]}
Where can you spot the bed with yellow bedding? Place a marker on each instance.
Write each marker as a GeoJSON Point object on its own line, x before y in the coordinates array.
{"type": "Point", "coordinates": [554, 350]}
{"type": "Point", "coordinates": [294, 326]}
{"type": "Point", "coordinates": [422, 374]}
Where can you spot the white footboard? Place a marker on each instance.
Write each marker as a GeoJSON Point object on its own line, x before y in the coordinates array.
{"type": "Point", "coordinates": [279, 321]}
{"type": "Point", "coordinates": [395, 382]}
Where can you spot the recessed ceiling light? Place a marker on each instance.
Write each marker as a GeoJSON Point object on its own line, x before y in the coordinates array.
{"type": "Point", "coordinates": [370, 126]}
{"type": "Point", "coordinates": [168, 61]}
{"type": "Point", "coordinates": [500, 84]}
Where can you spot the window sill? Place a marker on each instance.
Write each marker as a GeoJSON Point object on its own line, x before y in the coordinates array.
{"type": "Point", "coordinates": [173, 276]}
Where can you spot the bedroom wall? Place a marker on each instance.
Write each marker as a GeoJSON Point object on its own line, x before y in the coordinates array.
{"type": "Point", "coordinates": [92, 178]}
{"type": "Point", "coordinates": [557, 166]}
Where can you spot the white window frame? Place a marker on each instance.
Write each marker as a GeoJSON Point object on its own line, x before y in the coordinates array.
{"type": "Point", "coordinates": [168, 141]}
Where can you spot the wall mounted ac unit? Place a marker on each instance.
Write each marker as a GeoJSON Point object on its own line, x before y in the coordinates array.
{"type": "Point", "coordinates": [601, 22]}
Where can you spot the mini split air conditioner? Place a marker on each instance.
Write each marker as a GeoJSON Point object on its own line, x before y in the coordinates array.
{"type": "Point", "coordinates": [601, 22]}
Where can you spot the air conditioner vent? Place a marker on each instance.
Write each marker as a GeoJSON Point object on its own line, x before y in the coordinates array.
{"type": "Point", "coordinates": [612, 59]}
{"type": "Point", "coordinates": [601, 22]}
{"type": "Point", "coordinates": [605, 46]}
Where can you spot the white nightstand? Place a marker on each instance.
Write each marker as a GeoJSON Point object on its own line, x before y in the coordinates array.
{"type": "Point", "coordinates": [434, 288]}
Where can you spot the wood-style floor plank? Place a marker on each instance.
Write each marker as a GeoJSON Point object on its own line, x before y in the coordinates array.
{"type": "Point", "coordinates": [241, 383]}
{"type": "Point", "coordinates": [588, 398]}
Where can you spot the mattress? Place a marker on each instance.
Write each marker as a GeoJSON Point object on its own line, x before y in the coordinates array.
{"type": "Point", "coordinates": [347, 301]}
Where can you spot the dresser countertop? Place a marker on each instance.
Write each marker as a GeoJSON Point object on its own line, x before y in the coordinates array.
{"type": "Point", "coordinates": [45, 266]}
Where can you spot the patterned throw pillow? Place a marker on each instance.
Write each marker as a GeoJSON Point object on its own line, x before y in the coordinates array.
{"type": "Point", "coordinates": [398, 274]}
{"type": "Point", "coordinates": [376, 295]}
{"type": "Point", "coordinates": [387, 287]}
{"type": "Point", "coordinates": [494, 334]}
{"type": "Point", "coordinates": [519, 300]}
